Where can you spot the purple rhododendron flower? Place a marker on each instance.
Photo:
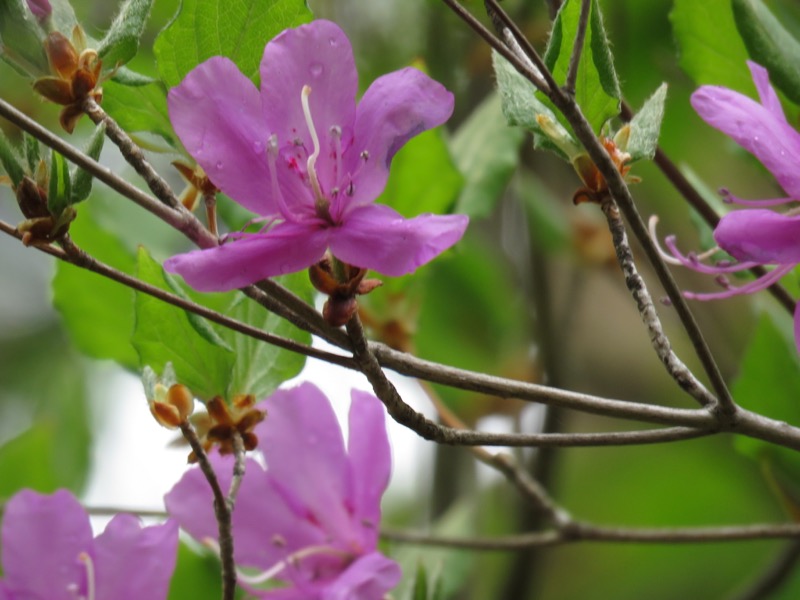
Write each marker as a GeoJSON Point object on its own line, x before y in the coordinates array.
{"type": "Point", "coordinates": [48, 552]}
{"type": "Point", "coordinates": [303, 155]}
{"type": "Point", "coordinates": [310, 519]}
{"type": "Point", "coordinates": [753, 236]}
{"type": "Point", "coordinates": [41, 9]}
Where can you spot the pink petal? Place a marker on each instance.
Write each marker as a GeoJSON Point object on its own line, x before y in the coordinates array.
{"type": "Point", "coordinates": [756, 128]}
{"type": "Point", "coordinates": [42, 537]}
{"type": "Point", "coordinates": [261, 517]}
{"type": "Point", "coordinates": [286, 248]}
{"type": "Point", "coordinates": [318, 55]}
{"type": "Point", "coordinates": [41, 9]}
{"type": "Point", "coordinates": [126, 548]}
{"type": "Point", "coordinates": [368, 578]}
{"type": "Point", "coordinates": [216, 112]}
{"type": "Point", "coordinates": [760, 235]}
{"type": "Point", "coordinates": [377, 237]}
{"type": "Point", "coordinates": [395, 108]}
{"type": "Point", "coordinates": [302, 443]}
{"type": "Point", "coordinates": [370, 462]}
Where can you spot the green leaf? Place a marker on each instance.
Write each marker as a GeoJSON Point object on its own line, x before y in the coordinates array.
{"type": "Point", "coordinates": [140, 109]}
{"type": "Point", "coordinates": [521, 107]}
{"type": "Point", "coordinates": [596, 87]}
{"type": "Point", "coordinates": [197, 575]}
{"type": "Point", "coordinates": [423, 177]}
{"type": "Point", "coordinates": [237, 29]}
{"type": "Point", "coordinates": [97, 312]}
{"type": "Point", "coordinates": [486, 153]}
{"type": "Point", "coordinates": [164, 333]}
{"type": "Point", "coordinates": [646, 126]}
{"type": "Point", "coordinates": [711, 50]}
{"type": "Point", "coordinates": [21, 39]}
{"type": "Point", "coordinates": [769, 383]}
{"type": "Point", "coordinates": [81, 179]}
{"type": "Point", "coordinates": [260, 367]}
{"type": "Point", "coordinates": [59, 195]}
{"type": "Point", "coordinates": [126, 76]}
{"type": "Point", "coordinates": [10, 161]}
{"type": "Point", "coordinates": [121, 41]}
{"type": "Point", "coordinates": [770, 45]}
{"type": "Point", "coordinates": [420, 584]}
{"type": "Point", "coordinates": [32, 152]}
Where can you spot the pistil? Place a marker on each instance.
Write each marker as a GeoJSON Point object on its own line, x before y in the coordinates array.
{"type": "Point", "coordinates": [321, 204]}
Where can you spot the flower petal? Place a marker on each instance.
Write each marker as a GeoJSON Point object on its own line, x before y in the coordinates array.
{"type": "Point", "coordinates": [125, 548]}
{"type": "Point", "coordinates": [302, 443]}
{"type": "Point", "coordinates": [318, 55]}
{"type": "Point", "coordinates": [379, 238]}
{"type": "Point", "coordinates": [216, 112]}
{"type": "Point", "coordinates": [766, 93]}
{"type": "Point", "coordinates": [368, 578]}
{"type": "Point", "coordinates": [395, 108]}
{"type": "Point", "coordinates": [760, 235]}
{"type": "Point", "coordinates": [261, 518]}
{"type": "Point", "coordinates": [756, 128]}
{"type": "Point", "coordinates": [286, 248]}
{"type": "Point", "coordinates": [42, 537]}
{"type": "Point", "coordinates": [370, 463]}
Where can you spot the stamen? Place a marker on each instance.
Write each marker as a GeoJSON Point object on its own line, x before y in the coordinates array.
{"type": "Point", "coordinates": [90, 583]}
{"type": "Point", "coordinates": [756, 285]}
{"type": "Point", "coordinates": [272, 156]}
{"type": "Point", "coordinates": [668, 258]}
{"type": "Point", "coordinates": [729, 198]}
{"type": "Point", "coordinates": [291, 561]}
{"type": "Point", "coordinates": [312, 160]}
{"type": "Point", "coordinates": [336, 134]}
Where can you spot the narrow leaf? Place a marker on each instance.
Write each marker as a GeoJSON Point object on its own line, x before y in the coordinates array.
{"type": "Point", "coordinates": [81, 179]}
{"type": "Point", "coordinates": [770, 45]}
{"type": "Point", "coordinates": [121, 42]}
{"type": "Point", "coordinates": [164, 333]}
{"type": "Point", "coordinates": [646, 126]}
{"type": "Point", "coordinates": [238, 30]}
{"type": "Point", "coordinates": [126, 76]}
{"type": "Point", "coordinates": [59, 194]}
{"type": "Point", "coordinates": [486, 153]}
{"type": "Point", "coordinates": [10, 161]}
{"type": "Point", "coordinates": [142, 108]}
{"type": "Point", "coordinates": [597, 87]}
{"type": "Point", "coordinates": [32, 152]}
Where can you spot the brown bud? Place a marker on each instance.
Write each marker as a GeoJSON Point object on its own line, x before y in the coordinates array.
{"type": "Point", "coordinates": [62, 54]}
{"type": "Point", "coordinates": [181, 398]}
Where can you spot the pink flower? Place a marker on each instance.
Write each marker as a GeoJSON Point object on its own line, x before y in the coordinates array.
{"type": "Point", "coordinates": [48, 552]}
{"type": "Point", "coordinates": [311, 518]}
{"type": "Point", "coordinates": [754, 236]}
{"type": "Point", "coordinates": [303, 155]}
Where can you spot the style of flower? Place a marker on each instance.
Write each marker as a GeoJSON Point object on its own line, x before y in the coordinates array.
{"type": "Point", "coordinates": [310, 519]}
{"type": "Point", "coordinates": [305, 157]}
{"type": "Point", "coordinates": [753, 236]}
{"type": "Point", "coordinates": [48, 552]}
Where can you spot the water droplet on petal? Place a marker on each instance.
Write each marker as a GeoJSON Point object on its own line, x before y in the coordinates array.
{"type": "Point", "coordinates": [258, 147]}
{"type": "Point", "coordinates": [333, 42]}
{"type": "Point", "coordinates": [755, 138]}
{"type": "Point", "coordinates": [316, 69]}
{"type": "Point", "coordinates": [219, 165]}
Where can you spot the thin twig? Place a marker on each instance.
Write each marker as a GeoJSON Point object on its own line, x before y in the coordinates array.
{"type": "Point", "coordinates": [238, 470]}
{"type": "Point", "coordinates": [132, 154]}
{"type": "Point", "coordinates": [577, 48]}
{"type": "Point", "coordinates": [77, 257]}
{"type": "Point", "coordinates": [776, 575]}
{"type": "Point", "coordinates": [647, 310]}
{"type": "Point", "coordinates": [581, 532]}
{"type": "Point", "coordinates": [221, 511]}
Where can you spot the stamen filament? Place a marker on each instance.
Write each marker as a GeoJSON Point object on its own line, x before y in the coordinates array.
{"type": "Point", "coordinates": [90, 583]}
{"type": "Point", "coordinates": [289, 561]}
{"type": "Point", "coordinates": [756, 285]}
{"type": "Point", "coordinates": [312, 160]}
{"type": "Point", "coordinates": [272, 156]}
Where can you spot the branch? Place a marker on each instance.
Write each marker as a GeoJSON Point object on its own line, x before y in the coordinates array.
{"type": "Point", "coordinates": [238, 470]}
{"type": "Point", "coordinates": [675, 367]}
{"type": "Point", "coordinates": [577, 48]}
{"type": "Point", "coordinates": [221, 511]}
{"type": "Point", "coordinates": [581, 532]}
{"type": "Point", "coordinates": [776, 574]}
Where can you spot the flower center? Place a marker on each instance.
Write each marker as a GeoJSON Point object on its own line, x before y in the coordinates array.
{"type": "Point", "coordinates": [321, 203]}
